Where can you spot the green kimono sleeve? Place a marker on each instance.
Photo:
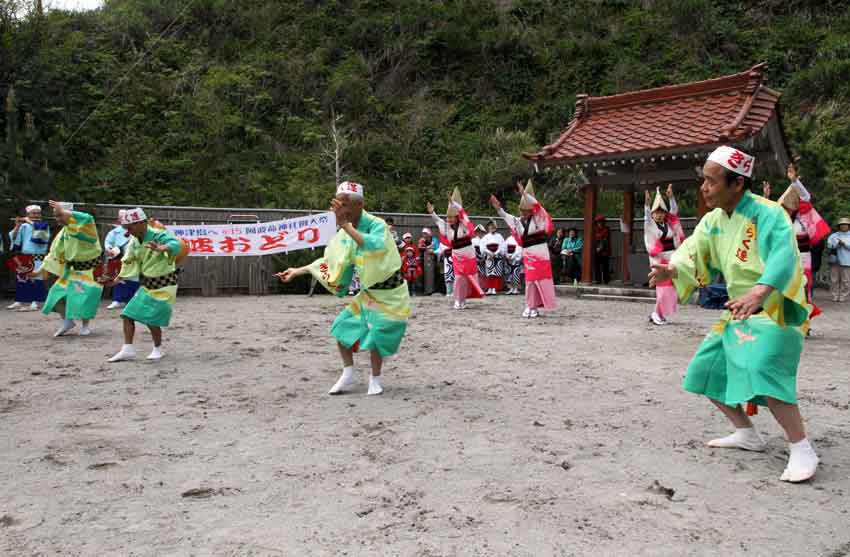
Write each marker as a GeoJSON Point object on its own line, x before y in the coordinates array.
{"type": "Point", "coordinates": [130, 262]}
{"type": "Point", "coordinates": [374, 238]}
{"type": "Point", "coordinates": [692, 260]}
{"type": "Point", "coordinates": [777, 245]}
{"type": "Point", "coordinates": [54, 262]}
{"type": "Point", "coordinates": [166, 238]}
{"type": "Point", "coordinates": [336, 269]}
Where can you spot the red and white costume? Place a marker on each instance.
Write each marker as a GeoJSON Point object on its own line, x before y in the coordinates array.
{"type": "Point", "coordinates": [809, 227]}
{"type": "Point", "coordinates": [532, 235]}
{"type": "Point", "coordinates": [458, 238]}
{"type": "Point", "coordinates": [661, 241]}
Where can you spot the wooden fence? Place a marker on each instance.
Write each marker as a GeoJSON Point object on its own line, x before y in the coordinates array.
{"type": "Point", "coordinates": [209, 276]}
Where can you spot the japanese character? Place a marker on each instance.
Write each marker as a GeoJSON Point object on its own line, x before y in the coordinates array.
{"type": "Point", "coordinates": [201, 245]}
{"type": "Point", "coordinates": [274, 242]}
{"type": "Point", "coordinates": [313, 230]}
{"type": "Point", "coordinates": [231, 244]}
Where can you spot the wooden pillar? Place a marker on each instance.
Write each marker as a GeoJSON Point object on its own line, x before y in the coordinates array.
{"type": "Point", "coordinates": [589, 252]}
{"type": "Point", "coordinates": [702, 208]}
{"type": "Point", "coordinates": [628, 220]}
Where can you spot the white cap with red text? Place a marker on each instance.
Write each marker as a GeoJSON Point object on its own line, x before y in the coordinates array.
{"type": "Point", "coordinates": [734, 160]}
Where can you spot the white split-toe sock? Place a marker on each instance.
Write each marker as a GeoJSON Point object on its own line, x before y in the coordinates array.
{"type": "Point", "coordinates": [67, 325]}
{"type": "Point", "coordinates": [526, 313]}
{"type": "Point", "coordinates": [802, 462]}
{"type": "Point", "coordinates": [376, 385]}
{"type": "Point", "coordinates": [156, 354]}
{"type": "Point", "coordinates": [85, 330]}
{"type": "Point", "coordinates": [345, 382]}
{"type": "Point", "coordinates": [115, 305]}
{"type": "Point", "coordinates": [127, 352]}
{"type": "Point", "coordinates": [746, 438]}
{"type": "Point", "coordinates": [534, 313]}
{"type": "Point", "coordinates": [15, 305]}
{"type": "Point", "coordinates": [458, 305]}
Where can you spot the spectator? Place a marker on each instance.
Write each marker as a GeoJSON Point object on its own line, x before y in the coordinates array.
{"type": "Point", "coordinates": [555, 243]}
{"type": "Point", "coordinates": [411, 266]}
{"type": "Point", "coordinates": [602, 243]}
{"type": "Point", "coordinates": [480, 232]}
{"type": "Point", "coordinates": [571, 255]}
{"type": "Point", "coordinates": [513, 266]}
{"type": "Point", "coordinates": [838, 246]}
{"type": "Point", "coordinates": [493, 248]}
{"type": "Point", "coordinates": [393, 232]}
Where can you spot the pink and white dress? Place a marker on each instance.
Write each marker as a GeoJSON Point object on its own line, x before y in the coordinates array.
{"type": "Point", "coordinates": [661, 241]}
{"type": "Point", "coordinates": [458, 238]}
{"type": "Point", "coordinates": [532, 235]}
{"type": "Point", "coordinates": [810, 229]}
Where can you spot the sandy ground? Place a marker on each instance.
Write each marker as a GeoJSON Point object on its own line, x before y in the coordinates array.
{"type": "Point", "coordinates": [496, 436]}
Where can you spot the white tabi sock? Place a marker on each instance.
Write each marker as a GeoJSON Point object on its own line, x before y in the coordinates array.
{"type": "Point", "coordinates": [67, 325]}
{"type": "Point", "coordinates": [155, 354]}
{"type": "Point", "coordinates": [376, 385]}
{"type": "Point", "coordinates": [127, 352]}
{"type": "Point", "coordinates": [746, 438]}
{"type": "Point", "coordinates": [345, 382]}
{"type": "Point", "coordinates": [802, 462]}
{"type": "Point", "coordinates": [85, 330]}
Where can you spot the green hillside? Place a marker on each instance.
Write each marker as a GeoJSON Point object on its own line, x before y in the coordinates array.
{"type": "Point", "coordinates": [229, 102]}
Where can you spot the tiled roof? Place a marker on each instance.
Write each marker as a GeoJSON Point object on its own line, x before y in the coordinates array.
{"type": "Point", "coordinates": [666, 119]}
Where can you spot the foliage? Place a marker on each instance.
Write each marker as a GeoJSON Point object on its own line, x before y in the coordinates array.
{"type": "Point", "coordinates": [229, 102]}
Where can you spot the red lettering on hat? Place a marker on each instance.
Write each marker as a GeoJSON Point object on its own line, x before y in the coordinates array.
{"type": "Point", "coordinates": [736, 158]}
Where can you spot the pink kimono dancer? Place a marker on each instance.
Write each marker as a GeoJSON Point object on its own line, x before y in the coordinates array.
{"type": "Point", "coordinates": [466, 278]}
{"type": "Point", "coordinates": [539, 287]}
{"type": "Point", "coordinates": [666, 299]}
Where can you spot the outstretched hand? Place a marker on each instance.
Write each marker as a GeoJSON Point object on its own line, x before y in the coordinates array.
{"type": "Point", "coordinates": [494, 201]}
{"type": "Point", "coordinates": [661, 273]}
{"type": "Point", "coordinates": [670, 190]}
{"type": "Point", "coordinates": [289, 274]}
{"type": "Point", "coordinates": [647, 198]}
{"type": "Point", "coordinates": [430, 208]}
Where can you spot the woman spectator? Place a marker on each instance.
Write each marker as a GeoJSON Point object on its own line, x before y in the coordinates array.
{"type": "Point", "coordinates": [571, 255]}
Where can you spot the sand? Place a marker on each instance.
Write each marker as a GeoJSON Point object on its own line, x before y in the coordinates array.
{"type": "Point", "coordinates": [567, 435]}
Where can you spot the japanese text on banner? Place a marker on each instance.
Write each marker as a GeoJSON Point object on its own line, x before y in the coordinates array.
{"type": "Point", "coordinates": [262, 238]}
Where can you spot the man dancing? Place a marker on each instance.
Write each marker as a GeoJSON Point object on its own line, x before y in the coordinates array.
{"type": "Point", "coordinates": [151, 256]}
{"type": "Point", "coordinates": [751, 355]}
{"type": "Point", "coordinates": [73, 255]}
{"type": "Point", "coordinates": [376, 319]}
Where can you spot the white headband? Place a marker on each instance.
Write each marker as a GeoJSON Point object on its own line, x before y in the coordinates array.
{"type": "Point", "coordinates": [132, 216]}
{"type": "Point", "coordinates": [352, 189]}
{"type": "Point", "coordinates": [734, 160]}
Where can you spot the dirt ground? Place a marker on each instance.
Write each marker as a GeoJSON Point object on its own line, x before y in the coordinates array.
{"type": "Point", "coordinates": [567, 435]}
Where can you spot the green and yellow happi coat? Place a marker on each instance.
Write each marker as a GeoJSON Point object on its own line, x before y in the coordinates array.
{"type": "Point", "coordinates": [73, 255]}
{"type": "Point", "coordinates": [744, 361]}
{"type": "Point", "coordinates": [377, 317]}
{"type": "Point", "coordinates": [157, 272]}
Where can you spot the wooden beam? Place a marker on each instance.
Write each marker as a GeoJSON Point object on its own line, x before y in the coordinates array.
{"type": "Point", "coordinates": [588, 255]}
{"type": "Point", "coordinates": [628, 220]}
{"type": "Point", "coordinates": [646, 178]}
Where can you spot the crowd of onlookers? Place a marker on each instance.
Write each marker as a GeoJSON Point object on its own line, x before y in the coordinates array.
{"type": "Point", "coordinates": [500, 259]}
{"type": "Point", "coordinates": [426, 263]}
